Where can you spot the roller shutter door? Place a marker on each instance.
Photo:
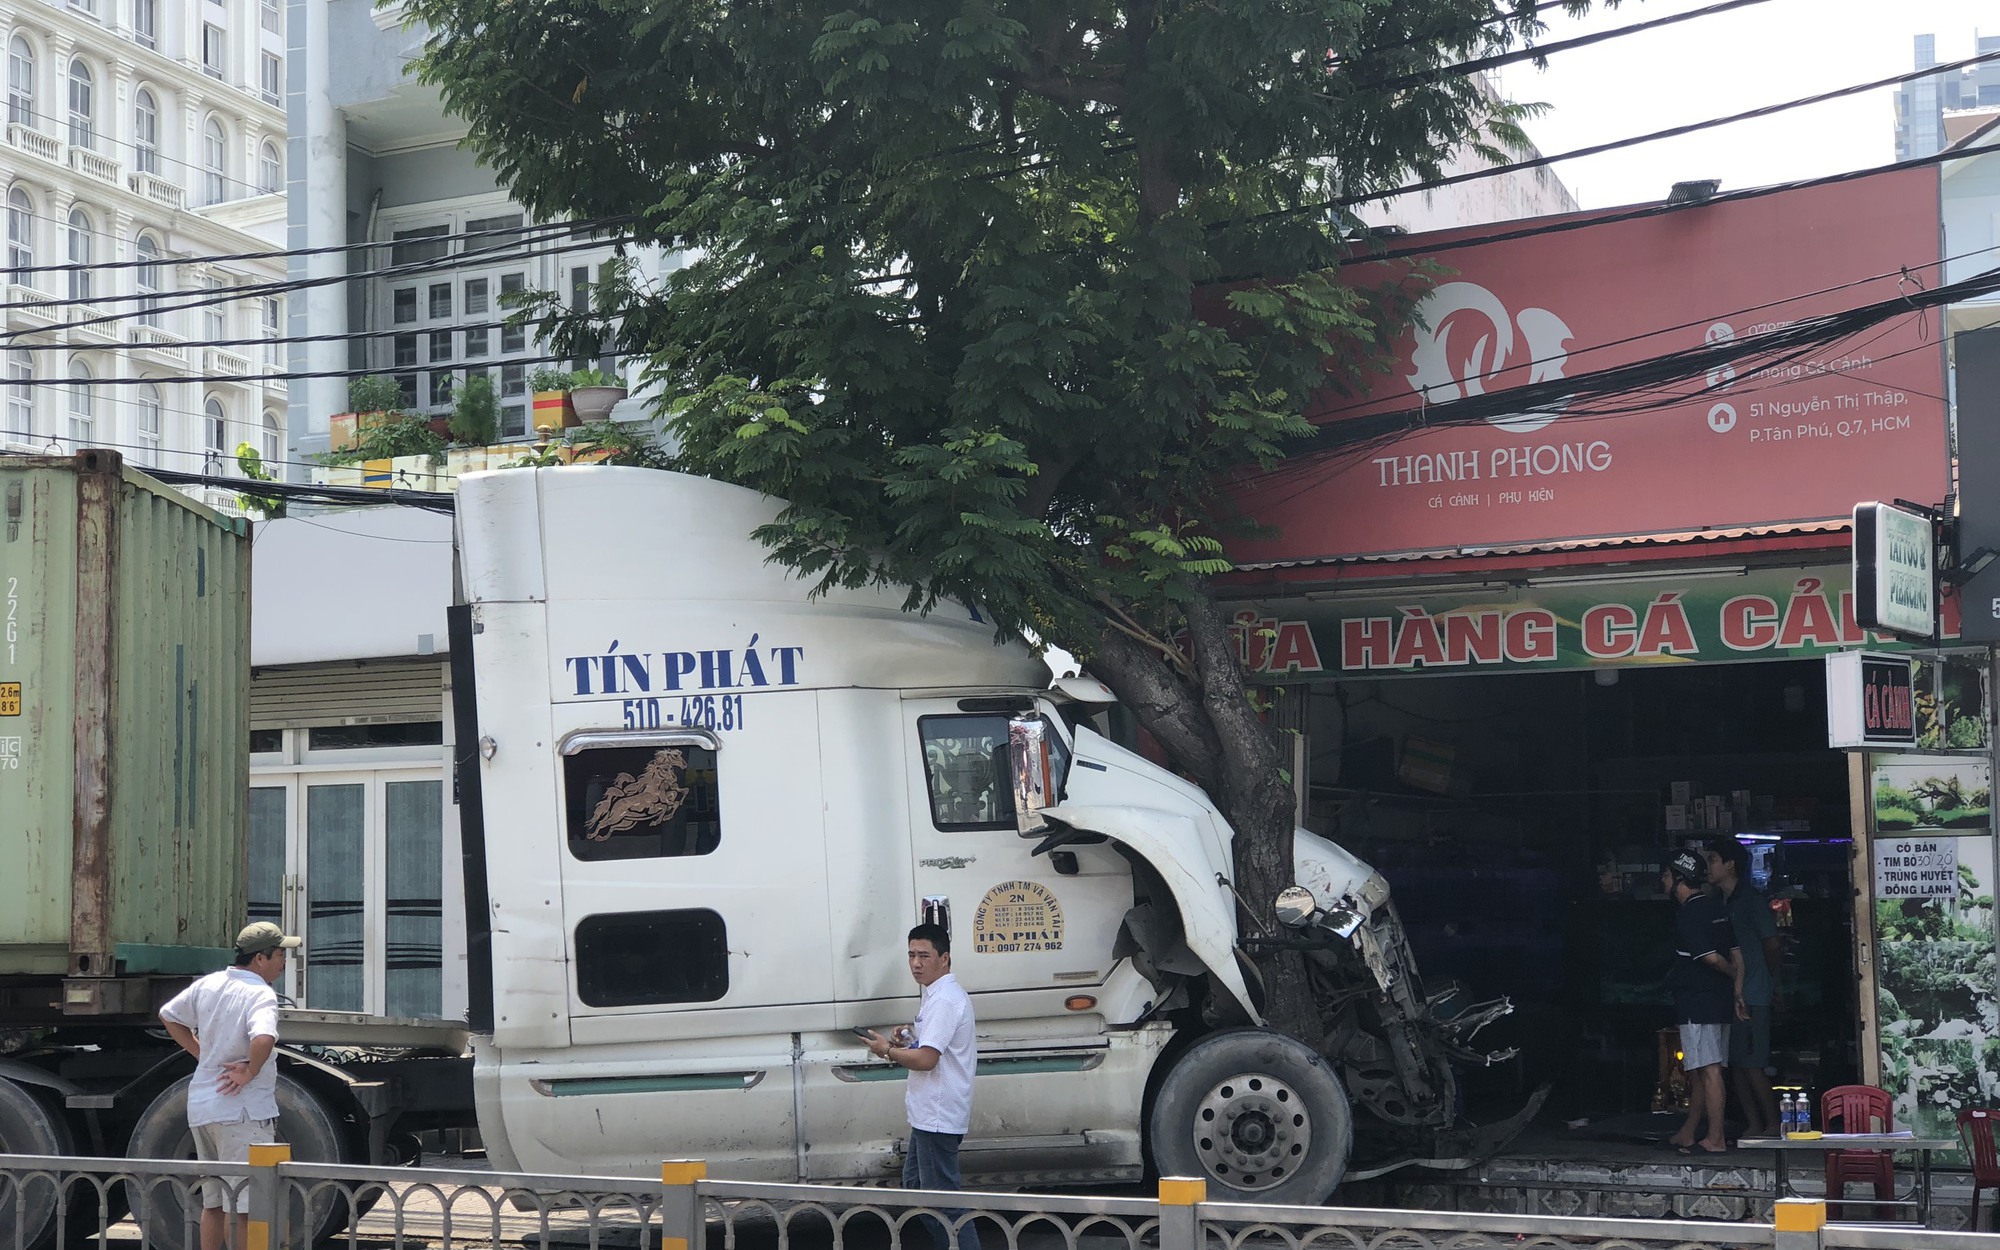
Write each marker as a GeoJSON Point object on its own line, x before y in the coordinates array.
{"type": "Point", "coordinates": [370, 695]}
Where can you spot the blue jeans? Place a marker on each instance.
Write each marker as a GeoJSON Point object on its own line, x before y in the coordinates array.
{"type": "Point", "coordinates": [931, 1162]}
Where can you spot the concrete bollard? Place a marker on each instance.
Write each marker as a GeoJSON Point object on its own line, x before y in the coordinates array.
{"type": "Point", "coordinates": [267, 1230]}
{"type": "Point", "coordinates": [683, 1224]}
{"type": "Point", "coordinates": [1180, 1215]}
{"type": "Point", "coordinates": [1798, 1223]}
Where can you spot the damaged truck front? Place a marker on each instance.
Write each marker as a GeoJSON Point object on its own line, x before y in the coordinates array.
{"type": "Point", "coordinates": [1233, 1101]}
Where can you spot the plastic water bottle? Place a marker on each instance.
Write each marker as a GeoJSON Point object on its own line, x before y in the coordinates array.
{"type": "Point", "coordinates": [1802, 1115]}
{"type": "Point", "coordinates": [1787, 1114]}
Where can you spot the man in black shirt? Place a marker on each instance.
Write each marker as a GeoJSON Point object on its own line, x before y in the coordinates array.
{"type": "Point", "coordinates": [1708, 994]}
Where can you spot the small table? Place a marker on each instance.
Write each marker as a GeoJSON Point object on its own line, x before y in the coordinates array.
{"type": "Point", "coordinates": [1920, 1197]}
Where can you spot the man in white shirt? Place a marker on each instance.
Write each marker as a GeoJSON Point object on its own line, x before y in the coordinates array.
{"type": "Point", "coordinates": [940, 1052]}
{"type": "Point", "coordinates": [228, 1021]}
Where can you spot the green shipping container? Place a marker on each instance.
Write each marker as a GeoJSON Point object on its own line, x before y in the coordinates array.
{"type": "Point", "coordinates": [124, 730]}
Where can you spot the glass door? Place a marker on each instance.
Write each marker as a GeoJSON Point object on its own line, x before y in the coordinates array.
{"type": "Point", "coordinates": [335, 851]}
{"type": "Point", "coordinates": [413, 898]}
{"type": "Point", "coordinates": [271, 880]}
{"type": "Point", "coordinates": [353, 862]}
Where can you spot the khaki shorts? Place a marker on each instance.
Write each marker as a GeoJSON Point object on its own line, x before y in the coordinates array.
{"type": "Point", "coordinates": [230, 1143]}
{"type": "Point", "coordinates": [1703, 1045]}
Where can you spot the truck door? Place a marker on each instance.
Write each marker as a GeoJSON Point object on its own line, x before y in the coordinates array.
{"type": "Point", "coordinates": [693, 891]}
{"type": "Point", "coordinates": [1029, 934]}
{"type": "Point", "coordinates": [1018, 921]}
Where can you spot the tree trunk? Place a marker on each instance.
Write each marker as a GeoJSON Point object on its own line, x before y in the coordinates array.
{"type": "Point", "coordinates": [1211, 733]}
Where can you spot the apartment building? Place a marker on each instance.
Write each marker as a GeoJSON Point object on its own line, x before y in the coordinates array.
{"type": "Point", "coordinates": [1922, 104]}
{"type": "Point", "coordinates": [431, 255]}
{"type": "Point", "coordinates": [144, 149]}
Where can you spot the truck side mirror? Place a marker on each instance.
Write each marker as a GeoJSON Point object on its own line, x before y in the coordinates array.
{"type": "Point", "coordinates": [1028, 745]}
{"type": "Point", "coordinates": [1295, 906]}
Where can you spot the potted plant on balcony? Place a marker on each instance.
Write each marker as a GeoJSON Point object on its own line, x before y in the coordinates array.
{"type": "Point", "coordinates": [550, 409]}
{"type": "Point", "coordinates": [593, 393]}
{"type": "Point", "coordinates": [371, 401]}
{"type": "Point", "coordinates": [475, 412]}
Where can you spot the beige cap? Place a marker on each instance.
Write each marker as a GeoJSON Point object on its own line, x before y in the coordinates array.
{"type": "Point", "coordinates": [262, 936]}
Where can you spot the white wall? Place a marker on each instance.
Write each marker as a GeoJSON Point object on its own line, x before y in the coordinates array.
{"type": "Point", "coordinates": [357, 584]}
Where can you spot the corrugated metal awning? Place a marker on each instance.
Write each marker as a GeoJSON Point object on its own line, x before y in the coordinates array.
{"type": "Point", "coordinates": [299, 698]}
{"type": "Point", "coordinates": [1609, 545]}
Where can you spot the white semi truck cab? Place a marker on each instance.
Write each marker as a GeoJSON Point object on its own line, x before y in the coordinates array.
{"type": "Point", "coordinates": [703, 807]}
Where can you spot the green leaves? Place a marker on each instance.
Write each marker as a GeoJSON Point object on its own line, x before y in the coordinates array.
{"type": "Point", "coordinates": [966, 279]}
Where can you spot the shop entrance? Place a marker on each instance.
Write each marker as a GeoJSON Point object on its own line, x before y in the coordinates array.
{"type": "Point", "coordinates": [1521, 819]}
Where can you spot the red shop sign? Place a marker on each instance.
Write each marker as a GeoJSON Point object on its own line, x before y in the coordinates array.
{"type": "Point", "coordinates": [1800, 441]}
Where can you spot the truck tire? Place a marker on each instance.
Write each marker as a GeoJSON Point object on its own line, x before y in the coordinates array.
{"type": "Point", "coordinates": [29, 1126]}
{"type": "Point", "coordinates": [1257, 1114]}
{"type": "Point", "coordinates": [311, 1128]}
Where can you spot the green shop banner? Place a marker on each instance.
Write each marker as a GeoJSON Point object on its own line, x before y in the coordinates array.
{"type": "Point", "coordinates": [1653, 619]}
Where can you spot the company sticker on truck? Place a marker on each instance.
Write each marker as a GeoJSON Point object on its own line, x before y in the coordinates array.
{"type": "Point", "coordinates": [1017, 918]}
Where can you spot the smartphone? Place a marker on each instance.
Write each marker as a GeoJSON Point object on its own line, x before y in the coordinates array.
{"type": "Point", "coordinates": [860, 1032]}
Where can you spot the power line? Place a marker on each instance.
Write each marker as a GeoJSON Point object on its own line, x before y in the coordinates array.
{"type": "Point", "coordinates": [429, 240]}
{"type": "Point", "coordinates": [1537, 52]}
{"type": "Point", "coordinates": [169, 301]}
{"type": "Point", "coordinates": [1359, 58]}
{"type": "Point", "coordinates": [1340, 434]}
{"type": "Point", "coordinates": [64, 123]}
{"type": "Point", "coordinates": [1585, 221]}
{"type": "Point", "coordinates": [251, 379]}
{"type": "Point", "coordinates": [1349, 201]}
{"type": "Point", "coordinates": [349, 336]}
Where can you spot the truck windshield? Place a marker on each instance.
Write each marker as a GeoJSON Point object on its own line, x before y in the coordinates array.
{"type": "Point", "coordinates": [966, 763]}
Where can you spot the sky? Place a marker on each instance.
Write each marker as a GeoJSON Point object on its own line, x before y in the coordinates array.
{"type": "Point", "coordinates": [1747, 58]}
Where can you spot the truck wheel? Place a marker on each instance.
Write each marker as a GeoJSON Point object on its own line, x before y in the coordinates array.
{"type": "Point", "coordinates": [1258, 1114]}
{"type": "Point", "coordinates": [29, 1127]}
{"type": "Point", "coordinates": [170, 1214]}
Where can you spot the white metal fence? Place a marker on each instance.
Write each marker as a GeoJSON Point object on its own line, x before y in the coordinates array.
{"type": "Point", "coordinates": [129, 1204]}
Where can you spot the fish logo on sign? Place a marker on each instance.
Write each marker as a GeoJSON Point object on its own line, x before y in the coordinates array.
{"type": "Point", "coordinates": [1488, 337]}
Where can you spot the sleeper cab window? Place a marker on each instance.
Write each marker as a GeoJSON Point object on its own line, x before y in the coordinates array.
{"type": "Point", "coordinates": [641, 802]}
{"type": "Point", "coordinates": [638, 958]}
{"type": "Point", "coordinates": [968, 770]}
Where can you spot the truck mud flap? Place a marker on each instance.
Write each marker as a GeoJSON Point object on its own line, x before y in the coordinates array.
{"type": "Point", "coordinates": [1455, 1149]}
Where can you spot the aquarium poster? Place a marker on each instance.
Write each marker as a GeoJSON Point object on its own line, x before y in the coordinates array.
{"type": "Point", "coordinates": [1936, 1012]}
{"type": "Point", "coordinates": [1925, 792]}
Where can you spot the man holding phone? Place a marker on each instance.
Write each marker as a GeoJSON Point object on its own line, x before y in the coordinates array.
{"type": "Point", "coordinates": [939, 1051]}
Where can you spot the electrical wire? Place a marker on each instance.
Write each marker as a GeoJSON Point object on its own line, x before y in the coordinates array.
{"type": "Point", "coordinates": [1342, 434]}
{"type": "Point", "coordinates": [64, 123]}
{"type": "Point", "coordinates": [1585, 221]}
{"type": "Point", "coordinates": [1536, 162]}
{"type": "Point", "coordinates": [221, 258]}
{"type": "Point", "coordinates": [202, 298]}
{"type": "Point", "coordinates": [348, 336]}
{"type": "Point", "coordinates": [1539, 51]}
{"type": "Point", "coordinates": [251, 379]}
{"type": "Point", "coordinates": [435, 501]}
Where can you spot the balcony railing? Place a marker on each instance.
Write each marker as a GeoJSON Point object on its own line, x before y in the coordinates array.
{"type": "Point", "coordinates": [28, 139]}
{"type": "Point", "coordinates": [220, 363]}
{"type": "Point", "coordinates": [159, 190]}
{"type": "Point", "coordinates": [93, 165]}
{"type": "Point", "coordinates": [154, 339]}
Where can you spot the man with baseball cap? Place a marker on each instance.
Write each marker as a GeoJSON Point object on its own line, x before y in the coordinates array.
{"type": "Point", "coordinates": [228, 1021]}
{"type": "Point", "coordinates": [1707, 982]}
